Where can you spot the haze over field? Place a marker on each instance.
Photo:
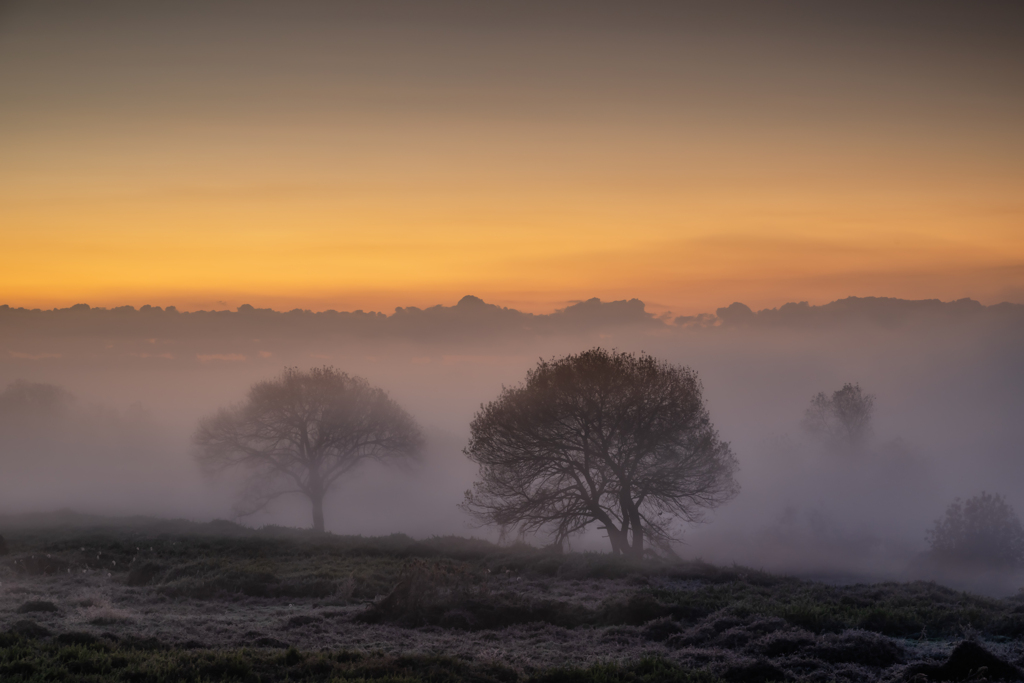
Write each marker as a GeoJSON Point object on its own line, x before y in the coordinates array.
{"type": "Point", "coordinates": [946, 377]}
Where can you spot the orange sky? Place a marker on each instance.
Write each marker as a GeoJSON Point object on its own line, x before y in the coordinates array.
{"type": "Point", "coordinates": [324, 157]}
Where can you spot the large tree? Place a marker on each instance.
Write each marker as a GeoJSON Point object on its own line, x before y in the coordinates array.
{"type": "Point", "coordinates": [302, 432]}
{"type": "Point", "coordinates": [621, 440]}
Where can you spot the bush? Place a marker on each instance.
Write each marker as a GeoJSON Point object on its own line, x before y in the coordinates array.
{"type": "Point", "coordinates": [982, 531]}
{"type": "Point", "coordinates": [452, 596]}
{"type": "Point", "coordinates": [142, 573]}
{"type": "Point", "coordinates": [860, 647]}
{"type": "Point", "coordinates": [37, 606]}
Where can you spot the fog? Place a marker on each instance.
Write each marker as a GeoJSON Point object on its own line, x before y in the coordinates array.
{"type": "Point", "coordinates": [111, 433]}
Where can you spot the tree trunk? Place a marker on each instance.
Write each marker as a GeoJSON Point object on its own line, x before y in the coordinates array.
{"type": "Point", "coordinates": [636, 550]}
{"type": "Point", "coordinates": [316, 496]}
{"type": "Point", "coordinates": [318, 512]}
{"type": "Point", "coordinates": [631, 518]}
{"type": "Point", "coordinates": [616, 537]}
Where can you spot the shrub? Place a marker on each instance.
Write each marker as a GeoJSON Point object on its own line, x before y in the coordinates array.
{"type": "Point", "coordinates": [860, 647]}
{"type": "Point", "coordinates": [142, 573]}
{"type": "Point", "coordinates": [982, 531]}
{"type": "Point", "coordinates": [453, 596]}
{"type": "Point", "coordinates": [37, 606]}
{"type": "Point", "coordinates": [784, 643]}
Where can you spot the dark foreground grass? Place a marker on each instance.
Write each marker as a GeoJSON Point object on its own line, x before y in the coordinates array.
{"type": "Point", "coordinates": [84, 658]}
{"type": "Point", "coordinates": [470, 584]}
{"type": "Point", "coordinates": [432, 593]}
{"type": "Point", "coordinates": [732, 622]}
{"type": "Point", "coordinates": [906, 610]}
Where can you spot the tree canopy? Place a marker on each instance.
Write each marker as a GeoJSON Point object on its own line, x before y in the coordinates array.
{"type": "Point", "coordinates": [842, 418]}
{"type": "Point", "coordinates": [617, 439]}
{"type": "Point", "coordinates": [302, 432]}
{"type": "Point", "coordinates": [982, 531]}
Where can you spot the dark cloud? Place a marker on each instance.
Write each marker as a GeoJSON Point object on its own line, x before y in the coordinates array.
{"type": "Point", "coordinates": [470, 318]}
{"type": "Point", "coordinates": [878, 311]}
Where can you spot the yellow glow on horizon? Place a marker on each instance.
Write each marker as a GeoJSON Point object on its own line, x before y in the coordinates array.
{"type": "Point", "coordinates": [688, 251]}
{"type": "Point", "coordinates": [680, 180]}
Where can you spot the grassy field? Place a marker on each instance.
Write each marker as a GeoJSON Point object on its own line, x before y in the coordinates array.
{"type": "Point", "coordinates": [149, 600]}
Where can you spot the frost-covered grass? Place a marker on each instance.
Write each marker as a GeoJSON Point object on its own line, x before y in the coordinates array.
{"type": "Point", "coordinates": [143, 599]}
{"type": "Point", "coordinates": [85, 658]}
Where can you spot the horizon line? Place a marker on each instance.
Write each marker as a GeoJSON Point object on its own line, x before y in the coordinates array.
{"type": "Point", "coordinates": [470, 299]}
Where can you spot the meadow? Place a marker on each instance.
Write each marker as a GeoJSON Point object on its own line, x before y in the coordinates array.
{"type": "Point", "coordinates": [142, 599]}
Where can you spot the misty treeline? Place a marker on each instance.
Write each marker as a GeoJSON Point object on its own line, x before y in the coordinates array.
{"type": "Point", "coordinates": [593, 437]}
{"type": "Point", "coordinates": [983, 532]}
{"type": "Point", "coordinates": [599, 437]}
{"type": "Point", "coordinates": [944, 423]}
{"type": "Point", "coordinates": [62, 451]}
{"type": "Point", "coordinates": [169, 334]}
{"type": "Point", "coordinates": [596, 437]}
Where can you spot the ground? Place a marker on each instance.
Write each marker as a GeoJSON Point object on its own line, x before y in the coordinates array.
{"type": "Point", "coordinates": [143, 599]}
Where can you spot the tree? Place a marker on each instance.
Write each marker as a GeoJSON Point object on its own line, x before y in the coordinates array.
{"type": "Point", "coordinates": [22, 399]}
{"type": "Point", "coordinates": [843, 418]}
{"type": "Point", "coordinates": [302, 432]}
{"type": "Point", "coordinates": [983, 531]}
{"type": "Point", "coordinates": [607, 437]}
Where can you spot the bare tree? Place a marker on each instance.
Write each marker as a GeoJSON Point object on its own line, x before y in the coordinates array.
{"type": "Point", "coordinates": [302, 432]}
{"type": "Point", "coordinates": [612, 438]}
{"type": "Point", "coordinates": [844, 417]}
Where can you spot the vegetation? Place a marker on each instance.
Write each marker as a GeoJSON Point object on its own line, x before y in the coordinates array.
{"type": "Point", "coordinates": [616, 439]}
{"type": "Point", "coordinates": [844, 418]}
{"type": "Point", "coordinates": [981, 531]}
{"type": "Point", "coordinates": [84, 658]}
{"type": "Point", "coordinates": [221, 560]}
{"type": "Point", "coordinates": [303, 432]}
{"type": "Point", "coordinates": [22, 399]}
{"type": "Point", "coordinates": [659, 619]}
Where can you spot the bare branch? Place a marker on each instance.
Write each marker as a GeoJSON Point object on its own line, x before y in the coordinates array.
{"type": "Point", "coordinates": [613, 438]}
{"type": "Point", "coordinates": [302, 432]}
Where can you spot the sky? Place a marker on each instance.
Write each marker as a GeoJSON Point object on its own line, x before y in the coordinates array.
{"type": "Point", "coordinates": [368, 155]}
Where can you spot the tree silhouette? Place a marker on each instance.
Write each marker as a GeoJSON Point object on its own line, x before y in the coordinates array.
{"type": "Point", "coordinates": [302, 432]}
{"type": "Point", "coordinates": [22, 399]}
{"type": "Point", "coordinates": [613, 438]}
{"type": "Point", "coordinates": [842, 418]}
{"type": "Point", "coordinates": [983, 531]}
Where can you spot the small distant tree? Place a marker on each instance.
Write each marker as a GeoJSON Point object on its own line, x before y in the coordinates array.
{"type": "Point", "coordinates": [22, 399]}
{"type": "Point", "coordinates": [983, 531]}
{"type": "Point", "coordinates": [302, 432]}
{"type": "Point", "coordinates": [844, 417]}
{"type": "Point", "coordinates": [615, 439]}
